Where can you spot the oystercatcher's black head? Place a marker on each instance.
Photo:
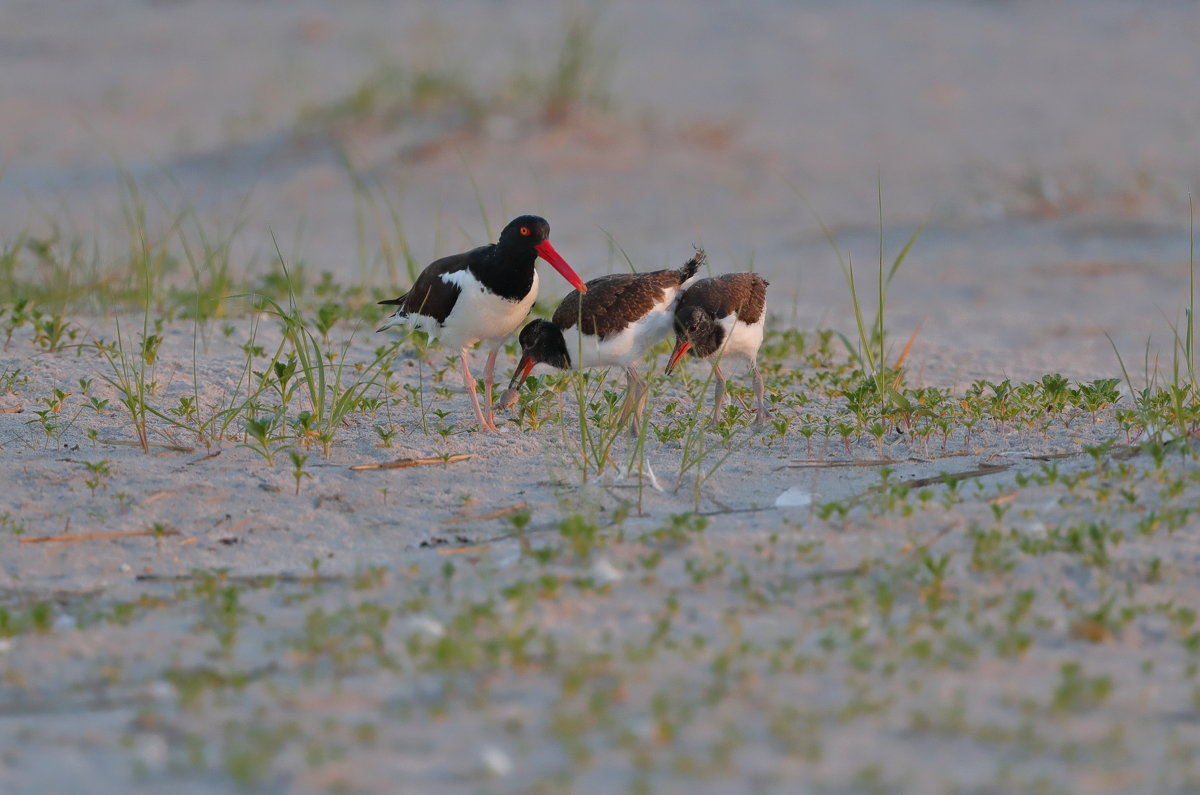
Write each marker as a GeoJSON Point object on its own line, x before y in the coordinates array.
{"type": "Point", "coordinates": [542, 342]}
{"type": "Point", "coordinates": [528, 236]}
{"type": "Point", "coordinates": [697, 332]}
{"type": "Point", "coordinates": [526, 231]}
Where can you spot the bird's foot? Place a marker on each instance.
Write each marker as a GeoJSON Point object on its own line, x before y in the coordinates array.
{"type": "Point", "coordinates": [488, 423]}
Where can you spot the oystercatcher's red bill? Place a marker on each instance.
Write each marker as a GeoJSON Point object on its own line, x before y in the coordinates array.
{"type": "Point", "coordinates": [547, 252]}
{"type": "Point", "coordinates": [681, 348]}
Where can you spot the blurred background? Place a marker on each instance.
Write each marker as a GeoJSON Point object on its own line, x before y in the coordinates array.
{"type": "Point", "coordinates": [1050, 149]}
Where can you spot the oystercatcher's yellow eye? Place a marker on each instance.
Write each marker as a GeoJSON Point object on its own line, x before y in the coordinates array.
{"type": "Point", "coordinates": [524, 231]}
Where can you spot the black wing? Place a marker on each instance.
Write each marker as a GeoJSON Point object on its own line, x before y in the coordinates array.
{"type": "Point", "coordinates": [430, 294]}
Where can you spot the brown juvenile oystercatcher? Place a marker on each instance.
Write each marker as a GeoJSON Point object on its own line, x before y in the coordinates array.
{"type": "Point", "coordinates": [481, 295]}
{"type": "Point", "coordinates": [722, 317]}
{"type": "Point", "coordinates": [620, 317]}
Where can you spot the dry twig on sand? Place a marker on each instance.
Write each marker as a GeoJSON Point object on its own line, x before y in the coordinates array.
{"type": "Point", "coordinates": [818, 463]}
{"type": "Point", "coordinates": [485, 516]}
{"type": "Point", "coordinates": [174, 448]}
{"type": "Point", "coordinates": [71, 538]}
{"type": "Point", "coordinates": [954, 477]}
{"type": "Point", "coordinates": [404, 463]}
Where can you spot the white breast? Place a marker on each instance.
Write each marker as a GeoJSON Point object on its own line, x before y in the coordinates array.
{"type": "Point", "coordinates": [480, 315]}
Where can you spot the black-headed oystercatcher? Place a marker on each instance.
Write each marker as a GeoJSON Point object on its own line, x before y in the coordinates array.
{"type": "Point", "coordinates": [620, 317]}
{"type": "Point", "coordinates": [481, 295]}
{"type": "Point", "coordinates": [722, 317]}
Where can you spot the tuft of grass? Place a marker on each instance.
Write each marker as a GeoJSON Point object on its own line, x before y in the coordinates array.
{"type": "Point", "coordinates": [1171, 410]}
{"type": "Point", "coordinates": [705, 445]}
{"type": "Point", "coordinates": [1183, 386]}
{"type": "Point", "coordinates": [871, 350]}
{"type": "Point", "coordinates": [128, 375]}
{"type": "Point", "coordinates": [396, 92]}
{"type": "Point", "coordinates": [448, 90]}
{"type": "Point", "coordinates": [323, 375]}
{"type": "Point", "coordinates": [599, 419]}
{"type": "Point", "coordinates": [375, 210]}
{"type": "Point", "coordinates": [580, 72]}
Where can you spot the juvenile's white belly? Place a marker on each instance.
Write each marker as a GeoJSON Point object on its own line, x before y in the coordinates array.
{"type": "Point", "coordinates": [742, 340]}
{"type": "Point", "coordinates": [628, 346]}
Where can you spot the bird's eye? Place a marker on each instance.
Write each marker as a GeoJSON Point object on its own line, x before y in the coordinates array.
{"type": "Point", "coordinates": [524, 231]}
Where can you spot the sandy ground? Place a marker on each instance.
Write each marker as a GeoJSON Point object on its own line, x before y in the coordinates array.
{"type": "Point", "coordinates": [1048, 148]}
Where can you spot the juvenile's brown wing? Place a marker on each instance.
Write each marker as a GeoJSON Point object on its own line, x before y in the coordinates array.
{"type": "Point", "coordinates": [613, 302]}
{"type": "Point", "coordinates": [742, 294]}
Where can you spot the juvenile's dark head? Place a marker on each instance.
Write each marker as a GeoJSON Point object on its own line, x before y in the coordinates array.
{"type": "Point", "coordinates": [541, 343]}
{"type": "Point", "coordinates": [695, 332]}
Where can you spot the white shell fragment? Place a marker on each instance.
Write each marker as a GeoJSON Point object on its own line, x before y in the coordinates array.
{"type": "Point", "coordinates": [795, 497]}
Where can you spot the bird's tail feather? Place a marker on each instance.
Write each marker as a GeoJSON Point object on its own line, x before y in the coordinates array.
{"type": "Point", "coordinates": [690, 267]}
{"type": "Point", "coordinates": [399, 318]}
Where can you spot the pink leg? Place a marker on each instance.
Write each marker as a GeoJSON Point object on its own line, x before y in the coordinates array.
{"type": "Point", "coordinates": [489, 372]}
{"type": "Point", "coordinates": [469, 384]}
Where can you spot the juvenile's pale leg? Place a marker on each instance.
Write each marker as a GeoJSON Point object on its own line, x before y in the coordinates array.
{"type": "Point", "coordinates": [627, 405]}
{"type": "Point", "coordinates": [720, 394]}
{"type": "Point", "coordinates": [640, 406]}
{"type": "Point", "coordinates": [758, 394]}
{"type": "Point", "coordinates": [489, 372]}
{"type": "Point", "coordinates": [635, 398]}
{"type": "Point", "coordinates": [469, 384]}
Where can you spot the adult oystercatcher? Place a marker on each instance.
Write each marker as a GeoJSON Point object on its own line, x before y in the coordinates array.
{"type": "Point", "coordinates": [723, 317]}
{"type": "Point", "coordinates": [620, 317]}
{"type": "Point", "coordinates": [481, 295]}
